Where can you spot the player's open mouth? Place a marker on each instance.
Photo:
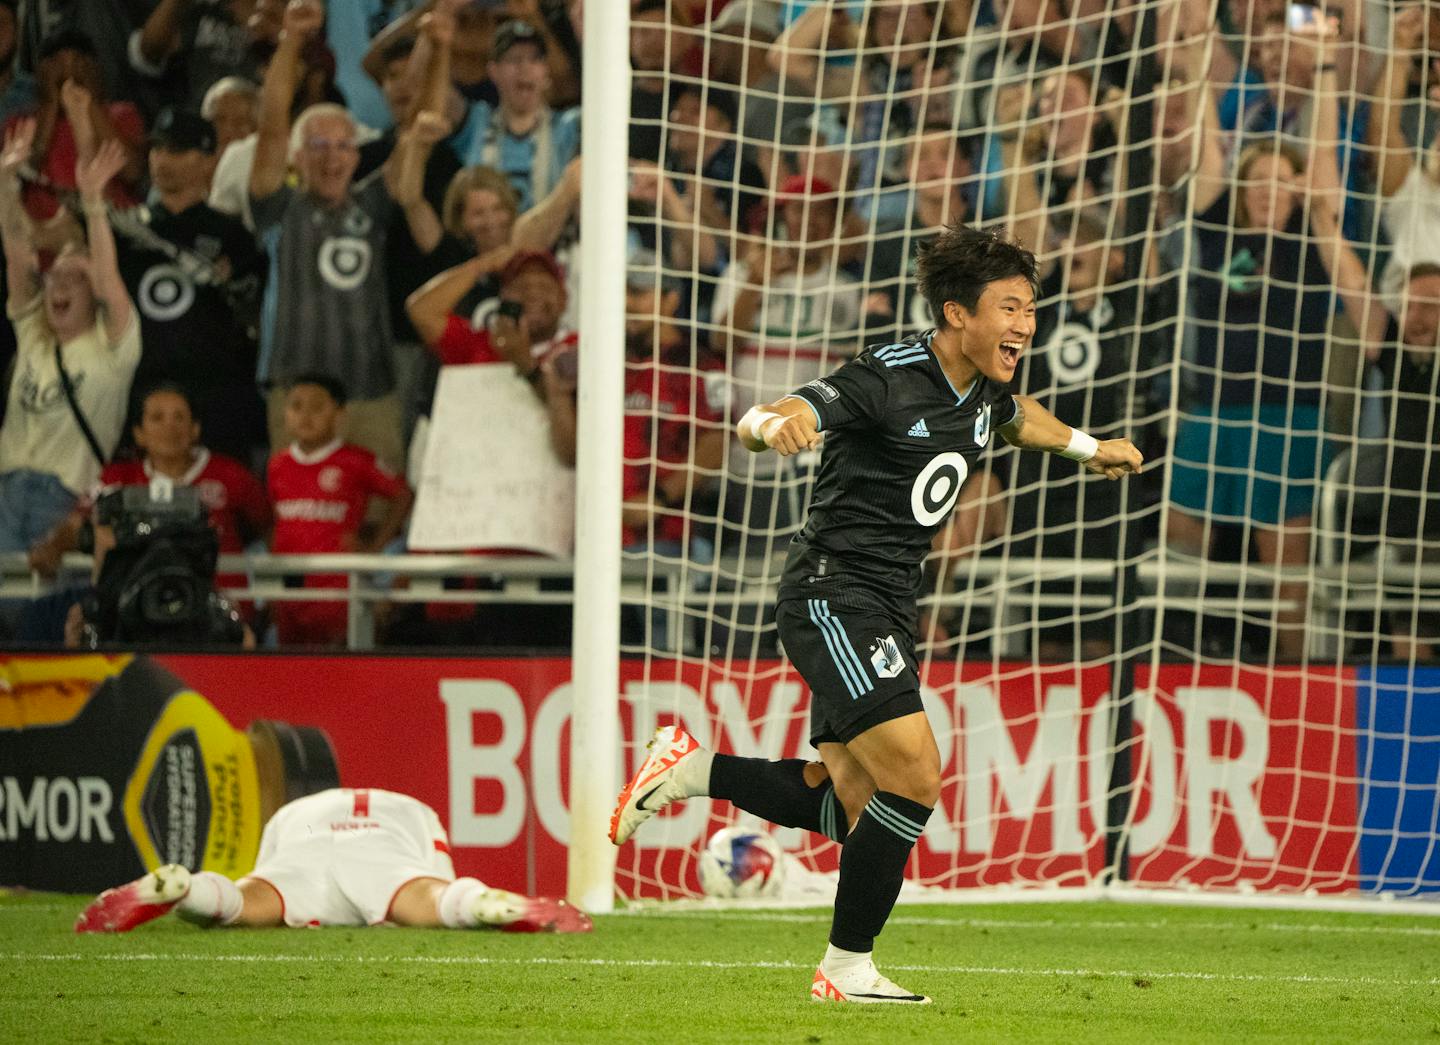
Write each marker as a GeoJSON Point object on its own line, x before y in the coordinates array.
{"type": "Point", "coordinates": [1010, 352]}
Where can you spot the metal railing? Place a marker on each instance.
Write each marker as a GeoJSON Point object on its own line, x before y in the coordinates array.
{"type": "Point", "coordinates": [1010, 587]}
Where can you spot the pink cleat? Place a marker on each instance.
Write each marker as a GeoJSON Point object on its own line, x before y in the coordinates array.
{"type": "Point", "coordinates": [126, 906]}
{"type": "Point", "coordinates": [546, 915]}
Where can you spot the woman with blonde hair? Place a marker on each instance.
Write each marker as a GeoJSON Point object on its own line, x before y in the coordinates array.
{"type": "Point", "coordinates": [78, 343]}
{"type": "Point", "coordinates": [480, 209]}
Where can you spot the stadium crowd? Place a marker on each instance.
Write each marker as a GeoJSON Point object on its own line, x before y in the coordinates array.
{"type": "Point", "coordinates": [267, 227]}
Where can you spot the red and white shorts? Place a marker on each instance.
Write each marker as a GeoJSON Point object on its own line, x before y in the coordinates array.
{"type": "Point", "coordinates": [339, 857]}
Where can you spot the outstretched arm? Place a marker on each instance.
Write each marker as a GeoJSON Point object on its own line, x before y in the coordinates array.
{"type": "Point", "coordinates": [22, 270]}
{"type": "Point", "coordinates": [1028, 222]}
{"type": "Point", "coordinates": [91, 177]}
{"type": "Point", "coordinates": [796, 53]}
{"type": "Point", "coordinates": [540, 226]}
{"type": "Point", "coordinates": [405, 177]}
{"type": "Point", "coordinates": [272, 145]}
{"type": "Point", "coordinates": [1035, 428]}
{"type": "Point", "coordinates": [430, 305]}
{"type": "Point", "coordinates": [786, 426]}
{"type": "Point", "coordinates": [403, 27]}
{"type": "Point", "coordinates": [1327, 201]}
{"type": "Point", "coordinates": [1393, 153]}
{"type": "Point", "coordinates": [1211, 178]}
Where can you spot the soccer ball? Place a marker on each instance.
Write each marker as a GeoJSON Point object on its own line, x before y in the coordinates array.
{"type": "Point", "coordinates": [739, 863]}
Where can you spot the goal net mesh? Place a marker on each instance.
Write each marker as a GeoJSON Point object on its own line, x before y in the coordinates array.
{"type": "Point", "coordinates": [1210, 676]}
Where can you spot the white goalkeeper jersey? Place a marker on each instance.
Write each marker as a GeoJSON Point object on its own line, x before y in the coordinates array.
{"type": "Point", "coordinates": [339, 857]}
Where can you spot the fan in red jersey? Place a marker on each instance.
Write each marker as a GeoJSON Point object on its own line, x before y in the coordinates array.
{"type": "Point", "coordinates": [675, 402]}
{"type": "Point", "coordinates": [320, 487]}
{"type": "Point", "coordinates": [347, 856]}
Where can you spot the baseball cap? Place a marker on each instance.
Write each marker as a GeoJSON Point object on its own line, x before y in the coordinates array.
{"type": "Point", "coordinates": [515, 32]}
{"type": "Point", "coordinates": [181, 129]}
{"type": "Point", "coordinates": [525, 258]}
{"type": "Point", "coordinates": [796, 185]}
{"type": "Point", "coordinates": [762, 16]}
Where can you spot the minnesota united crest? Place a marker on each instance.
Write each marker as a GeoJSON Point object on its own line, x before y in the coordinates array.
{"type": "Point", "coordinates": [885, 658]}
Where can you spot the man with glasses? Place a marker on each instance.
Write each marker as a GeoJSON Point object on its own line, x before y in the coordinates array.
{"type": "Point", "coordinates": [326, 304]}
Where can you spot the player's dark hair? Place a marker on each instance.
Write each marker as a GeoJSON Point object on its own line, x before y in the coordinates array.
{"type": "Point", "coordinates": [1421, 269]}
{"type": "Point", "coordinates": [961, 262]}
{"type": "Point", "coordinates": [331, 384]}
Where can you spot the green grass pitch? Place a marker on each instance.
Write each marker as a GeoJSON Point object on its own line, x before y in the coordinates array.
{"type": "Point", "coordinates": [1063, 972]}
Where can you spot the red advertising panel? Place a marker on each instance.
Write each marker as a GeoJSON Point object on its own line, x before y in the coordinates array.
{"type": "Point", "coordinates": [483, 742]}
{"type": "Point", "coordinates": [1249, 778]}
{"type": "Point", "coordinates": [486, 743]}
{"type": "Point", "coordinates": [1246, 776]}
{"type": "Point", "coordinates": [1022, 752]}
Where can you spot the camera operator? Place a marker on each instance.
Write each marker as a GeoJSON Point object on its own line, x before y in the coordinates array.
{"type": "Point", "coordinates": [221, 503]}
{"type": "Point", "coordinates": [154, 575]}
{"type": "Point", "coordinates": [168, 436]}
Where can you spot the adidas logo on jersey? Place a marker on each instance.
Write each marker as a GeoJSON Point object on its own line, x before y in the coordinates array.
{"type": "Point", "coordinates": [918, 430]}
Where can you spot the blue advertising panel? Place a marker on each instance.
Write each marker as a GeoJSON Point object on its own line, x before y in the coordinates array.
{"type": "Point", "coordinates": [1397, 721]}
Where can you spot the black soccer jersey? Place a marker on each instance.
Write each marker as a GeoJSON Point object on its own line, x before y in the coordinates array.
{"type": "Point", "coordinates": [900, 440]}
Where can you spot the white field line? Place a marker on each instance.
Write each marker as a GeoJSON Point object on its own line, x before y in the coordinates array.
{"type": "Point", "coordinates": [1000, 923]}
{"type": "Point", "coordinates": [14, 908]}
{"type": "Point", "coordinates": [770, 915]}
{"type": "Point", "coordinates": [663, 963]}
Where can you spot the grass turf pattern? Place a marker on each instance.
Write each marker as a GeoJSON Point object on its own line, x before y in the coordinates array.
{"type": "Point", "coordinates": [997, 973]}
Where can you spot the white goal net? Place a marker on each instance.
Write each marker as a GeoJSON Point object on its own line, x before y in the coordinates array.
{"type": "Point", "coordinates": [1217, 675]}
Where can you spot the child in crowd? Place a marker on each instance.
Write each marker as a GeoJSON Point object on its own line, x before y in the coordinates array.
{"type": "Point", "coordinates": [320, 487]}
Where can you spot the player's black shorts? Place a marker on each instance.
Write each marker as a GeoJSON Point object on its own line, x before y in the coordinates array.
{"type": "Point", "coordinates": [860, 666]}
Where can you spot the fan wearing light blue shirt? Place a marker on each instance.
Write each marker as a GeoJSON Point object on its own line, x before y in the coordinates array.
{"type": "Point", "coordinates": [522, 136]}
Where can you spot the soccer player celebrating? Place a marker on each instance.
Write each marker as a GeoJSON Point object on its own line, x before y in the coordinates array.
{"type": "Point", "coordinates": [346, 856]}
{"type": "Point", "coordinates": [904, 423]}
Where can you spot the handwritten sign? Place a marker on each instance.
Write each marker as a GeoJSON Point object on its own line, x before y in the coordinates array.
{"type": "Point", "coordinates": [489, 478]}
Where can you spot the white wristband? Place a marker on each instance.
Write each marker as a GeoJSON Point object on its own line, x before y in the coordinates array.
{"type": "Point", "coordinates": [754, 422]}
{"type": "Point", "coordinates": [1081, 447]}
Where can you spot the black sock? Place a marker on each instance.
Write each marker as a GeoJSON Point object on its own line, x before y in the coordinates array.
{"type": "Point", "coordinates": [776, 791]}
{"type": "Point", "coordinates": [872, 868]}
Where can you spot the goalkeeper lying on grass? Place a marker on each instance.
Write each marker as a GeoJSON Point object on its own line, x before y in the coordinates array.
{"type": "Point", "coordinates": [340, 857]}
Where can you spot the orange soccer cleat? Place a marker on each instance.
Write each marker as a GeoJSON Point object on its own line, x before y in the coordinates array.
{"type": "Point", "coordinates": [656, 783]}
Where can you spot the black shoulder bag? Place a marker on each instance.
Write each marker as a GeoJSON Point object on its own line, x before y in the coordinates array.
{"type": "Point", "coordinates": [85, 428]}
